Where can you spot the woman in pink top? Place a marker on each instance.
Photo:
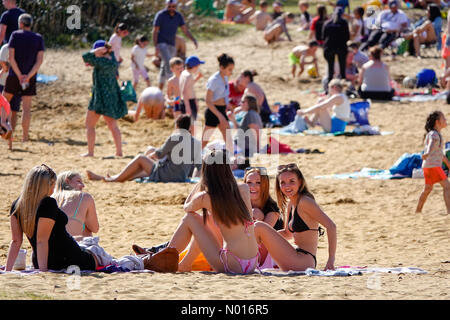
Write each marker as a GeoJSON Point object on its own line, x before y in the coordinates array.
{"type": "Point", "coordinates": [433, 158]}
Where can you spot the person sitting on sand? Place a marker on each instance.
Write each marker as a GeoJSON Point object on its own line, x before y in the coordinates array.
{"type": "Point", "coordinates": [427, 32]}
{"type": "Point", "coordinates": [225, 232]}
{"type": "Point", "coordinates": [263, 206]}
{"type": "Point", "coordinates": [298, 56]}
{"type": "Point", "coordinates": [274, 30]}
{"type": "Point", "coordinates": [302, 224]}
{"type": "Point", "coordinates": [174, 161]}
{"type": "Point", "coordinates": [255, 89]}
{"type": "Point", "coordinates": [375, 78]}
{"type": "Point", "coordinates": [248, 137]}
{"type": "Point", "coordinates": [152, 100]}
{"type": "Point", "coordinates": [337, 101]}
{"type": "Point", "coordinates": [79, 206]}
{"type": "Point", "coordinates": [106, 98]}
{"type": "Point", "coordinates": [261, 18]}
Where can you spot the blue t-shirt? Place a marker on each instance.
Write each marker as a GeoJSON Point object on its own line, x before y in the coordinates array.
{"type": "Point", "coordinates": [27, 44]}
{"type": "Point", "coordinates": [168, 26]}
{"type": "Point", "coordinates": [342, 3]}
{"type": "Point", "coordinates": [10, 18]}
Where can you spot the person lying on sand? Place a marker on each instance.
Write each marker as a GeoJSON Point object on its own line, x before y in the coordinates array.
{"type": "Point", "coordinates": [174, 161]}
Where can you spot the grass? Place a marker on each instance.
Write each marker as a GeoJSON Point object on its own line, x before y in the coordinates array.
{"type": "Point", "coordinates": [23, 296]}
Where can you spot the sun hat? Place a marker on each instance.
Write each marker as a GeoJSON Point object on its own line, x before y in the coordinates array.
{"type": "Point", "coordinates": [193, 61]}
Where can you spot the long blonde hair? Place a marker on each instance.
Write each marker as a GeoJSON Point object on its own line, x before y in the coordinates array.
{"type": "Point", "coordinates": [63, 190]}
{"type": "Point", "coordinates": [36, 187]}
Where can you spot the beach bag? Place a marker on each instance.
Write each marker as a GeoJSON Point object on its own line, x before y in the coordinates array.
{"type": "Point", "coordinates": [426, 77]}
{"type": "Point", "coordinates": [288, 112]}
{"type": "Point", "coordinates": [406, 163]}
{"type": "Point", "coordinates": [127, 92]}
{"type": "Point", "coordinates": [403, 45]}
{"type": "Point", "coordinates": [359, 114]}
{"type": "Point", "coordinates": [274, 144]}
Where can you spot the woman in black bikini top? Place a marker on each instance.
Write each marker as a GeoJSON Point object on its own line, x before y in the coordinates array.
{"type": "Point", "coordinates": [292, 194]}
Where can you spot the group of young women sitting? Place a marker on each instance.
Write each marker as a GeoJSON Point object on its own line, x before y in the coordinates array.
{"type": "Point", "coordinates": [240, 226]}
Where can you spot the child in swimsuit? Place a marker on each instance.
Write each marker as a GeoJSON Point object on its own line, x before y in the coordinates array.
{"type": "Point", "coordinates": [433, 158]}
{"type": "Point", "coordinates": [173, 96]}
{"type": "Point", "coordinates": [187, 82]}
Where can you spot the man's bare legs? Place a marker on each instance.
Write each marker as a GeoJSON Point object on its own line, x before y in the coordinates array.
{"type": "Point", "coordinates": [26, 117]}
{"type": "Point", "coordinates": [141, 166]}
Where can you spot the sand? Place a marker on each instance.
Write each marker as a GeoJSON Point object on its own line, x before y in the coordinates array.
{"type": "Point", "coordinates": [376, 223]}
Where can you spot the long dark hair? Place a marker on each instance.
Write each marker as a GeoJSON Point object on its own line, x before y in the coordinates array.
{"type": "Point", "coordinates": [435, 12]}
{"type": "Point", "coordinates": [218, 181]}
{"type": "Point", "coordinates": [431, 123]}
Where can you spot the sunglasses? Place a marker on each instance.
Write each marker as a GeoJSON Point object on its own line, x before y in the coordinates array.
{"type": "Point", "coordinates": [262, 170]}
{"type": "Point", "coordinates": [283, 167]}
{"type": "Point", "coordinates": [174, 6]}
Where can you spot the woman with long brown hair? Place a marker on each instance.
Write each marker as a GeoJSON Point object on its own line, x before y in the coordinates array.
{"type": "Point", "coordinates": [263, 206]}
{"type": "Point", "coordinates": [226, 219]}
{"type": "Point", "coordinates": [302, 224]}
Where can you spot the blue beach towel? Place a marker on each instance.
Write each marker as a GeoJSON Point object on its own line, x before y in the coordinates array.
{"type": "Point", "coordinates": [42, 78]}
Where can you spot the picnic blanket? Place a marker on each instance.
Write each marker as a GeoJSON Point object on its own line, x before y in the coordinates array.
{"type": "Point", "coordinates": [344, 271]}
{"type": "Point", "coordinates": [355, 132]}
{"type": "Point", "coordinates": [422, 97]}
{"type": "Point", "coordinates": [376, 174]}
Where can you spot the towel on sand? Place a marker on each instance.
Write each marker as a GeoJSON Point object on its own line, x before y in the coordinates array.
{"type": "Point", "coordinates": [370, 173]}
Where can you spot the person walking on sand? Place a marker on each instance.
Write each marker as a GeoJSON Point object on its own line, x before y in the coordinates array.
{"type": "Point", "coordinates": [26, 54]}
{"type": "Point", "coordinates": [165, 26]}
{"type": "Point", "coordinates": [106, 98]}
{"type": "Point", "coordinates": [433, 158]}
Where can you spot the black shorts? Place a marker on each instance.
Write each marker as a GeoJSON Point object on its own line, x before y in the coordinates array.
{"type": "Point", "coordinates": [13, 86]}
{"type": "Point", "coordinates": [15, 101]}
{"type": "Point", "coordinates": [210, 118]}
{"type": "Point", "coordinates": [193, 104]}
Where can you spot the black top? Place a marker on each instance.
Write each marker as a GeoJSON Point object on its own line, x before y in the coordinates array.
{"type": "Point", "coordinates": [336, 34]}
{"type": "Point", "coordinates": [63, 250]}
{"type": "Point", "coordinates": [298, 225]}
{"type": "Point", "coordinates": [271, 206]}
{"type": "Point", "coordinates": [10, 19]}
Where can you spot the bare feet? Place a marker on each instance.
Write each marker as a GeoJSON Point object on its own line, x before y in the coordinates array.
{"type": "Point", "coordinates": [94, 177]}
{"type": "Point", "coordinates": [87, 154]}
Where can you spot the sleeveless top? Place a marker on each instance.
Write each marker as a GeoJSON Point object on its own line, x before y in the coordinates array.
{"type": "Point", "coordinates": [376, 79]}
{"type": "Point", "coordinates": [343, 110]}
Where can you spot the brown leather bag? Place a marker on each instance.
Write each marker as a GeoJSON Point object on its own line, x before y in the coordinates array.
{"type": "Point", "coordinates": [165, 260]}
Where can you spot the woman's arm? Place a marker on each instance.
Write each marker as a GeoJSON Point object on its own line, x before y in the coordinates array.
{"type": "Point", "coordinates": [271, 218]}
{"type": "Point", "coordinates": [310, 207]}
{"type": "Point", "coordinates": [91, 214]}
{"type": "Point", "coordinates": [196, 200]}
{"type": "Point", "coordinates": [285, 233]}
{"type": "Point", "coordinates": [15, 244]}
{"type": "Point", "coordinates": [44, 229]}
{"type": "Point", "coordinates": [328, 103]}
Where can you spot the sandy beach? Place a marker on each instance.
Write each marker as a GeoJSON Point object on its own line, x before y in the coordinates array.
{"type": "Point", "coordinates": [375, 219]}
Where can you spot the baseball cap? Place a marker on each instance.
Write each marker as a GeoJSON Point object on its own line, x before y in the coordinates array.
{"type": "Point", "coordinates": [393, 3]}
{"type": "Point", "coordinates": [98, 44]}
{"type": "Point", "coordinates": [193, 61]}
{"type": "Point", "coordinates": [171, 1]}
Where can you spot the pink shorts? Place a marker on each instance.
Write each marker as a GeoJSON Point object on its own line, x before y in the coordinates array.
{"type": "Point", "coordinates": [139, 72]}
{"type": "Point", "coordinates": [434, 175]}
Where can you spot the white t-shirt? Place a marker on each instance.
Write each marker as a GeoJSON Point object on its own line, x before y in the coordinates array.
{"type": "Point", "coordinates": [390, 21]}
{"type": "Point", "coordinates": [116, 43]}
{"type": "Point", "coordinates": [219, 87]}
{"type": "Point", "coordinates": [343, 110]}
{"type": "Point", "coordinates": [4, 57]}
{"type": "Point", "coordinates": [139, 57]}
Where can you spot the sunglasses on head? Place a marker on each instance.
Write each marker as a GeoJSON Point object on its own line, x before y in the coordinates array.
{"type": "Point", "coordinates": [262, 170]}
{"type": "Point", "coordinates": [282, 167]}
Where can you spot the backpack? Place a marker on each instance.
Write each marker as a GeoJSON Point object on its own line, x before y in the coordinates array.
{"type": "Point", "coordinates": [406, 163]}
{"type": "Point", "coordinates": [426, 77]}
{"type": "Point", "coordinates": [288, 112]}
